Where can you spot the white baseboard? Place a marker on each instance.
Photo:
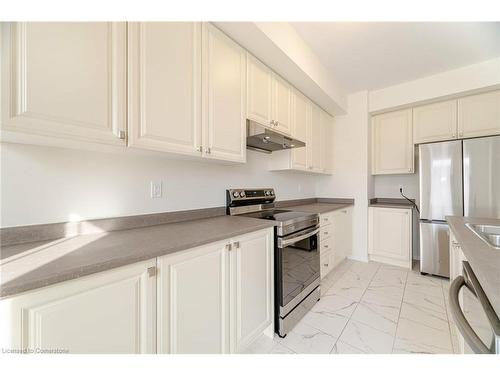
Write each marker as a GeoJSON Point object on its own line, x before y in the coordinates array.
{"type": "Point", "coordinates": [358, 258]}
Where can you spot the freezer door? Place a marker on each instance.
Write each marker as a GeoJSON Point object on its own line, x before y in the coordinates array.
{"type": "Point", "coordinates": [482, 177]}
{"type": "Point", "coordinates": [440, 180]}
{"type": "Point", "coordinates": [435, 249]}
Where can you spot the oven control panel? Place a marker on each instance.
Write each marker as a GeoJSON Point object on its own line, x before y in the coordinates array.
{"type": "Point", "coordinates": [236, 197]}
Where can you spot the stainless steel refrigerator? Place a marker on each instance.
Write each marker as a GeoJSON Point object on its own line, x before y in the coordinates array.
{"type": "Point", "coordinates": [456, 178]}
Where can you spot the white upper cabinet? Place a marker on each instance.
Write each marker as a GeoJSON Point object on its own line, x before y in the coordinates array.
{"type": "Point", "coordinates": [392, 146]}
{"type": "Point", "coordinates": [224, 96]}
{"type": "Point", "coordinates": [282, 104]}
{"type": "Point", "coordinates": [109, 312]}
{"type": "Point", "coordinates": [301, 116]}
{"type": "Point", "coordinates": [65, 80]}
{"type": "Point", "coordinates": [435, 122]}
{"type": "Point", "coordinates": [269, 97]}
{"type": "Point", "coordinates": [479, 115]}
{"type": "Point", "coordinates": [315, 159]}
{"type": "Point", "coordinates": [327, 139]}
{"type": "Point", "coordinates": [164, 87]}
{"type": "Point", "coordinates": [259, 91]}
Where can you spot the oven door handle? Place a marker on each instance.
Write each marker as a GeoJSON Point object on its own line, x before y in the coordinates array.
{"type": "Point", "coordinates": [283, 243]}
{"type": "Point", "coordinates": [461, 322]}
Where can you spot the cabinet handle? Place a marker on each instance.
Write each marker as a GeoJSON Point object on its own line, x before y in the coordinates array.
{"type": "Point", "coordinates": [122, 134]}
{"type": "Point", "coordinates": [152, 271]}
{"type": "Point", "coordinates": [325, 233]}
{"type": "Point", "coordinates": [344, 211]}
{"type": "Point", "coordinates": [272, 122]}
{"type": "Point", "coordinates": [325, 264]}
{"type": "Point", "coordinates": [207, 150]}
{"type": "Point", "coordinates": [229, 247]}
{"type": "Point", "coordinates": [236, 244]}
{"type": "Point", "coordinates": [409, 169]}
{"type": "Point", "coordinates": [326, 246]}
{"type": "Point", "coordinates": [199, 149]}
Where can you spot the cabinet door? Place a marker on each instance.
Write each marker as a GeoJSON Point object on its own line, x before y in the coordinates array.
{"type": "Point", "coordinates": [108, 312]}
{"type": "Point", "coordinates": [193, 301]}
{"type": "Point", "coordinates": [315, 140]}
{"type": "Point", "coordinates": [282, 98]}
{"type": "Point", "coordinates": [390, 235]}
{"type": "Point", "coordinates": [224, 96]}
{"type": "Point", "coordinates": [252, 286]}
{"type": "Point", "coordinates": [479, 115]}
{"type": "Point", "coordinates": [164, 110]}
{"type": "Point", "coordinates": [65, 80]}
{"type": "Point", "coordinates": [259, 91]}
{"type": "Point", "coordinates": [342, 234]}
{"type": "Point", "coordinates": [193, 304]}
{"type": "Point", "coordinates": [301, 115]}
{"type": "Point", "coordinates": [327, 142]}
{"type": "Point", "coordinates": [392, 146]}
{"type": "Point", "coordinates": [435, 122]}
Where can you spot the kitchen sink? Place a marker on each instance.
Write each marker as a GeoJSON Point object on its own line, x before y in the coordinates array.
{"type": "Point", "coordinates": [488, 233]}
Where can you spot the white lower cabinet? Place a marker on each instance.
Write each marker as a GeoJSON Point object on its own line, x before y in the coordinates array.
{"type": "Point", "coordinates": [109, 312]}
{"type": "Point", "coordinates": [390, 235]}
{"type": "Point", "coordinates": [336, 238]}
{"type": "Point", "coordinates": [342, 234]}
{"type": "Point", "coordinates": [456, 259]}
{"type": "Point", "coordinates": [216, 298]}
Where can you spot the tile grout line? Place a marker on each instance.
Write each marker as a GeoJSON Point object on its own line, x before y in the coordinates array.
{"type": "Point", "coordinates": [350, 316]}
{"type": "Point", "coordinates": [340, 334]}
{"type": "Point", "coordinates": [399, 313]}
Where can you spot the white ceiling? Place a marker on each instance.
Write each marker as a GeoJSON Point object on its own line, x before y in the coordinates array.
{"type": "Point", "coordinates": [371, 55]}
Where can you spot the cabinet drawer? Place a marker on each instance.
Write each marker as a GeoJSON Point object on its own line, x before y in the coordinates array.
{"type": "Point", "coordinates": [326, 219]}
{"type": "Point", "coordinates": [326, 245]}
{"type": "Point", "coordinates": [326, 232]}
{"type": "Point", "coordinates": [326, 265]}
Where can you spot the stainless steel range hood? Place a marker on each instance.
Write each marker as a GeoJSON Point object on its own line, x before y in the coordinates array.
{"type": "Point", "coordinates": [260, 138]}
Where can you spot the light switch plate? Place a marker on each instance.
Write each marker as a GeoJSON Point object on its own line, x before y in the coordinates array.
{"type": "Point", "coordinates": [156, 189]}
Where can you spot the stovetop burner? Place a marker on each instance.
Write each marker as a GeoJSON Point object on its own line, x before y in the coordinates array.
{"type": "Point", "coordinates": [277, 215]}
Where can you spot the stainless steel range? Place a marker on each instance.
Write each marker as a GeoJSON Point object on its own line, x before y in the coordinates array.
{"type": "Point", "coordinates": [296, 255]}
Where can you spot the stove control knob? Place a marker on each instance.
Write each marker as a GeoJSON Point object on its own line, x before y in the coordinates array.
{"type": "Point", "coordinates": [236, 194]}
{"type": "Point", "coordinates": [271, 192]}
{"type": "Point", "coordinates": [267, 192]}
{"type": "Point", "coordinates": [242, 194]}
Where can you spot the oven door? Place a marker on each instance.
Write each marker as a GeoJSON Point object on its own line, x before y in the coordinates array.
{"type": "Point", "coordinates": [298, 267]}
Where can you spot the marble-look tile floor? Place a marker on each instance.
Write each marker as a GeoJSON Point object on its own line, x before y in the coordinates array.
{"type": "Point", "coordinates": [371, 308]}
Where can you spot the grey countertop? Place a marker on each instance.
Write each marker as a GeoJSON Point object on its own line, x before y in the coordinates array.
{"type": "Point", "coordinates": [33, 265]}
{"type": "Point", "coordinates": [319, 208]}
{"type": "Point", "coordinates": [484, 260]}
{"type": "Point", "coordinates": [30, 265]}
{"type": "Point", "coordinates": [390, 203]}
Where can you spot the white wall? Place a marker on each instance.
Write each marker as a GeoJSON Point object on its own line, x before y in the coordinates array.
{"type": "Point", "coordinates": [46, 185]}
{"type": "Point", "coordinates": [351, 177]}
{"type": "Point", "coordinates": [471, 78]}
{"type": "Point", "coordinates": [387, 186]}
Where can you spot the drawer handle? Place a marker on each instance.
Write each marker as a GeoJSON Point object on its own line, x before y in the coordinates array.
{"type": "Point", "coordinates": [325, 264]}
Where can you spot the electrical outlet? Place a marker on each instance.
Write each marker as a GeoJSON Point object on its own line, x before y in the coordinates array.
{"type": "Point", "coordinates": [156, 189]}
